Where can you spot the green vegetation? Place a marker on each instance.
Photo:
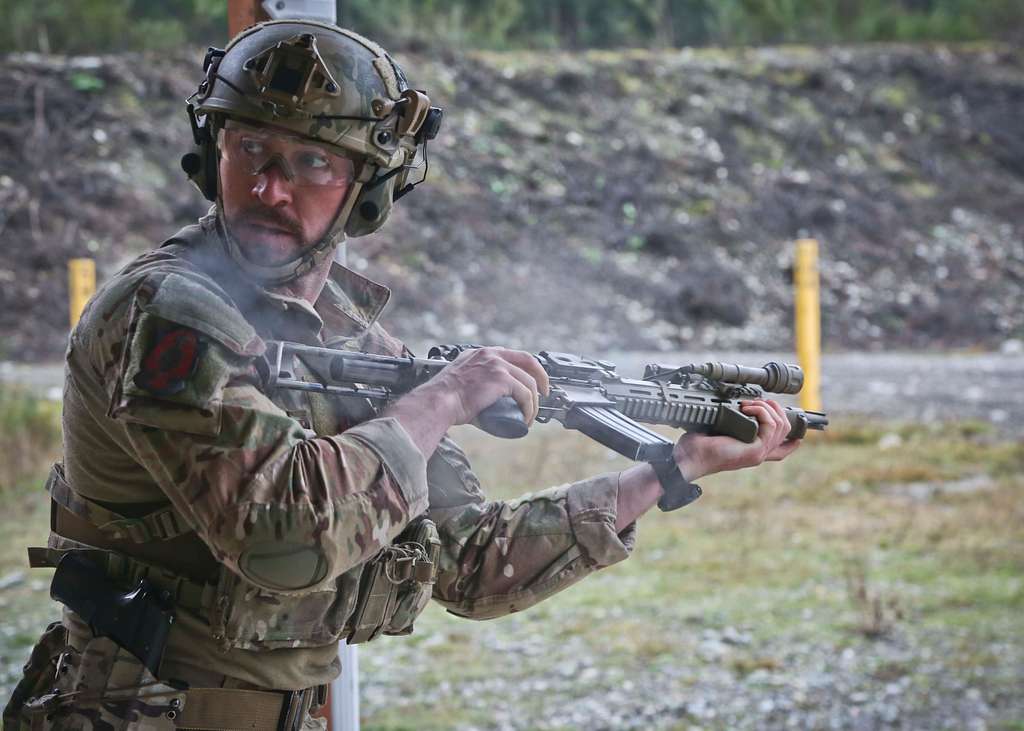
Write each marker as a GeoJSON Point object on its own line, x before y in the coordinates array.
{"type": "Point", "coordinates": [104, 26]}
{"type": "Point", "coordinates": [29, 436]}
{"type": "Point", "coordinates": [29, 441]}
{"type": "Point", "coordinates": [82, 26]}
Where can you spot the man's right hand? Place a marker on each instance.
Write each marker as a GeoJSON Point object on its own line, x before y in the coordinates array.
{"type": "Point", "coordinates": [473, 381]}
{"type": "Point", "coordinates": [480, 376]}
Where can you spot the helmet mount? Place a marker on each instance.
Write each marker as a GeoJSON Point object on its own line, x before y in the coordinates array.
{"type": "Point", "coordinates": [291, 76]}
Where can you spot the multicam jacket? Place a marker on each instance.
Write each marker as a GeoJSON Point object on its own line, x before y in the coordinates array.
{"type": "Point", "coordinates": [164, 407]}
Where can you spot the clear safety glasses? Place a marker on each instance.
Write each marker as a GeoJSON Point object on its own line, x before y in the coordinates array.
{"type": "Point", "coordinates": [302, 162]}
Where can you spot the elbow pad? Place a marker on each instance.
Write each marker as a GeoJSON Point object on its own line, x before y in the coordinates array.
{"type": "Point", "coordinates": [283, 565]}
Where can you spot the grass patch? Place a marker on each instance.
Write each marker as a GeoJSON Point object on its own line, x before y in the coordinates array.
{"type": "Point", "coordinates": [29, 436]}
{"type": "Point", "coordinates": [29, 441]}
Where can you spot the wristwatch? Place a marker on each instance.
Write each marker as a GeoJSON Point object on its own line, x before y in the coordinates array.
{"type": "Point", "coordinates": [678, 490]}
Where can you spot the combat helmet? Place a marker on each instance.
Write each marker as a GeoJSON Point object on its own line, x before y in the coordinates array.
{"type": "Point", "coordinates": [326, 84]}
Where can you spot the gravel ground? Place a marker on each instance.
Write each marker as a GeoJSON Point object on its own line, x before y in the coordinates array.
{"type": "Point", "coordinates": [727, 681]}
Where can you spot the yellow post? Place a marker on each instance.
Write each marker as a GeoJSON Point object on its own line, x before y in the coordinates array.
{"type": "Point", "coordinates": [81, 285]}
{"type": "Point", "coordinates": [808, 322]}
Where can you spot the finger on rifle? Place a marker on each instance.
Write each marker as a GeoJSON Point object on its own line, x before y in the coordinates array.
{"type": "Point", "coordinates": [786, 425]}
{"type": "Point", "coordinates": [781, 418]}
{"type": "Point", "coordinates": [525, 397]}
{"type": "Point", "coordinates": [529, 363]}
{"type": "Point", "coordinates": [767, 420]}
{"type": "Point", "coordinates": [779, 414]}
{"type": "Point", "coordinates": [524, 378]}
{"type": "Point", "coordinates": [778, 409]}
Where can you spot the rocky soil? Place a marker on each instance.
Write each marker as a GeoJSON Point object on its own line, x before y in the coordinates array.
{"type": "Point", "coordinates": [598, 201]}
{"type": "Point", "coordinates": [727, 681]}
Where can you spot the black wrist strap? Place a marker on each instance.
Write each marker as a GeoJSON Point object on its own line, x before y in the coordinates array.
{"type": "Point", "coordinates": [678, 490]}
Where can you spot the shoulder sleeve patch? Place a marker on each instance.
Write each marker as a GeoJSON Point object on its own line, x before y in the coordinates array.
{"type": "Point", "coordinates": [184, 345]}
{"type": "Point", "coordinates": [170, 362]}
{"type": "Point", "coordinates": [187, 302]}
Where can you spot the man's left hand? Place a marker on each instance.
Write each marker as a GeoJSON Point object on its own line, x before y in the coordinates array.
{"type": "Point", "coordinates": [699, 455]}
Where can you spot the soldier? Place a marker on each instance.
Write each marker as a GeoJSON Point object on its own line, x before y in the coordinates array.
{"type": "Point", "coordinates": [277, 523]}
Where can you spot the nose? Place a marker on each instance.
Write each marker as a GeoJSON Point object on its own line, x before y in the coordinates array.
{"type": "Point", "coordinates": [272, 187]}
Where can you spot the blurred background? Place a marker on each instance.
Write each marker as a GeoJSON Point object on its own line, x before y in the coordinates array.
{"type": "Point", "coordinates": [626, 179]}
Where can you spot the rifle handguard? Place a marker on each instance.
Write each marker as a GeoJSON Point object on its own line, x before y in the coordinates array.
{"type": "Point", "coordinates": [586, 395]}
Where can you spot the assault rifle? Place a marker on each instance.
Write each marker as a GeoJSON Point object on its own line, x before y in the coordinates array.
{"type": "Point", "coordinates": [586, 395]}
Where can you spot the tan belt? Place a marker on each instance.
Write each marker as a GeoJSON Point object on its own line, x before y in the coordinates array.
{"type": "Point", "coordinates": [225, 709]}
{"type": "Point", "coordinates": [72, 516]}
{"type": "Point", "coordinates": [186, 555]}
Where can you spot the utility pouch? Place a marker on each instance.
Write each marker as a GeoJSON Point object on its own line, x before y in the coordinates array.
{"type": "Point", "coordinates": [248, 617]}
{"type": "Point", "coordinates": [385, 594]}
{"type": "Point", "coordinates": [396, 584]}
{"type": "Point", "coordinates": [414, 594]}
{"type": "Point", "coordinates": [37, 680]}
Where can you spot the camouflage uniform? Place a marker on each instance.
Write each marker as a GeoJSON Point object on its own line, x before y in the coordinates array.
{"type": "Point", "coordinates": [226, 473]}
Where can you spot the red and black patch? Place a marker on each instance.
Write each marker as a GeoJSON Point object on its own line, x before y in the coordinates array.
{"type": "Point", "coordinates": [170, 362]}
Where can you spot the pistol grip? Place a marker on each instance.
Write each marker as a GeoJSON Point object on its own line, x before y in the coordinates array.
{"type": "Point", "coordinates": [503, 419]}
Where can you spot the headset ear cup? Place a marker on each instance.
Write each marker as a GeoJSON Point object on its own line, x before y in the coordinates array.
{"type": "Point", "coordinates": [371, 210]}
{"type": "Point", "coordinates": [200, 165]}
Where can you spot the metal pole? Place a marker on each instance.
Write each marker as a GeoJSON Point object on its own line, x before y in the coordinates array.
{"type": "Point", "coordinates": [344, 697]}
{"type": "Point", "coordinates": [342, 711]}
{"type": "Point", "coordinates": [81, 286]}
{"type": "Point", "coordinates": [808, 322]}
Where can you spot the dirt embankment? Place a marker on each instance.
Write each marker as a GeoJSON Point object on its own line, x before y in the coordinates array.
{"type": "Point", "coordinates": [590, 202]}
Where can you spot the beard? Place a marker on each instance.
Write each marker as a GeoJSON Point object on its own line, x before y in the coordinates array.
{"type": "Point", "coordinates": [267, 236]}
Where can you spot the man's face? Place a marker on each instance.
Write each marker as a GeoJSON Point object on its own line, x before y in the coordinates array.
{"type": "Point", "coordinates": [280, 193]}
